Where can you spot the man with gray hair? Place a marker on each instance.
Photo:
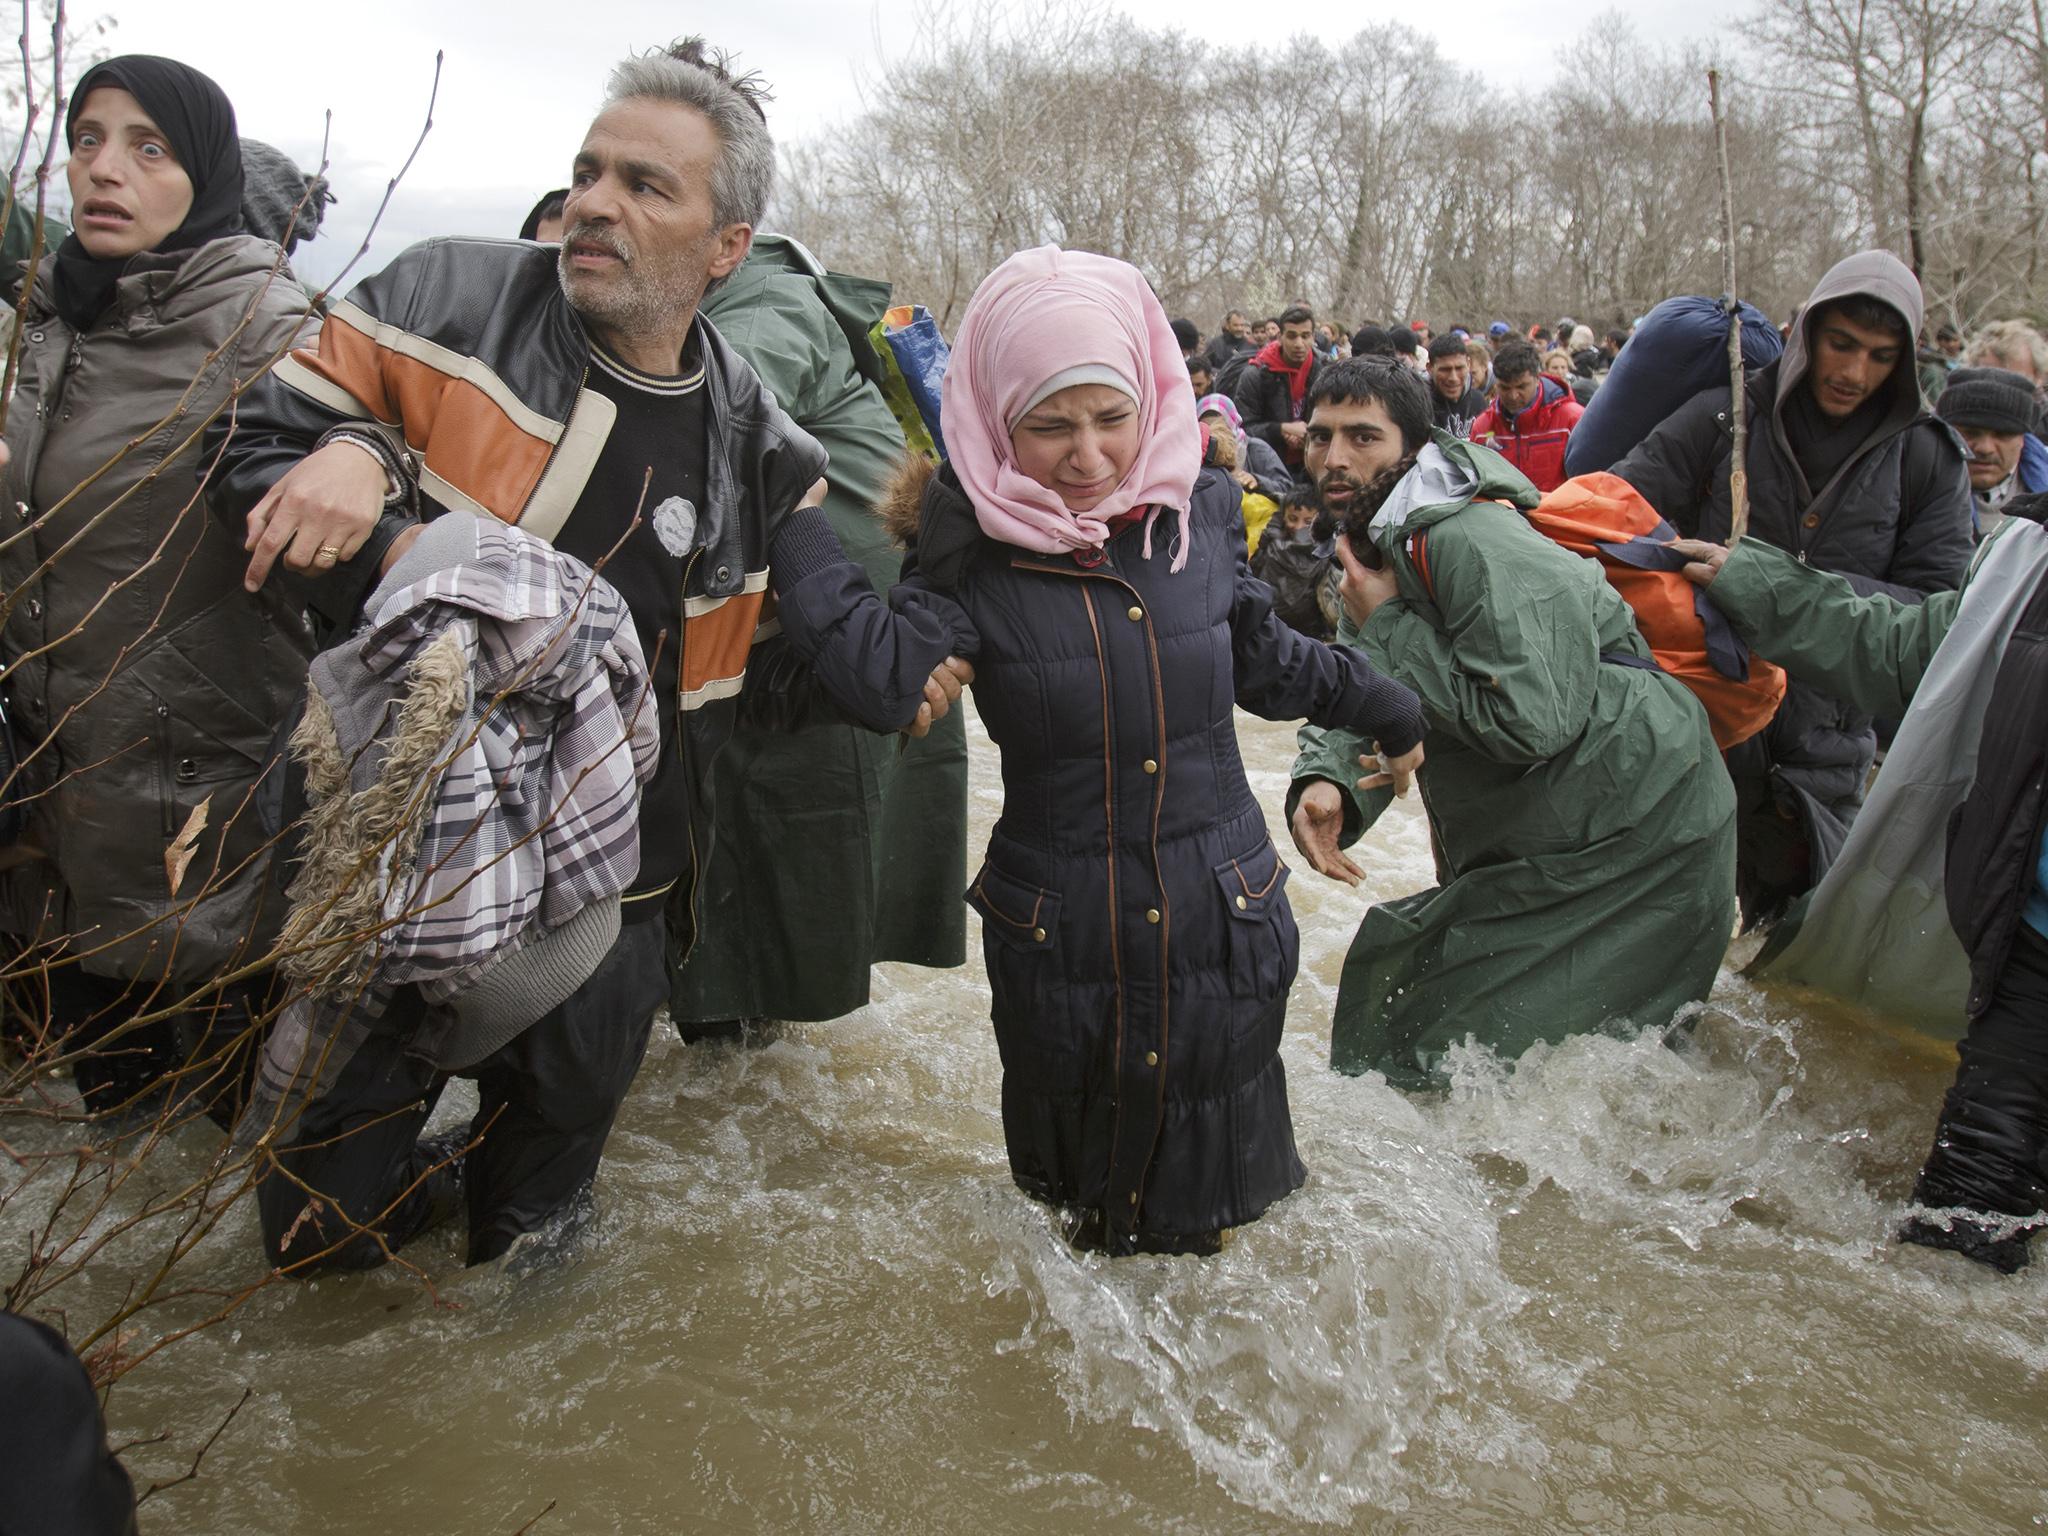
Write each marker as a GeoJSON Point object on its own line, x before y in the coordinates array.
{"type": "Point", "coordinates": [577, 393]}
{"type": "Point", "coordinates": [2018, 348]}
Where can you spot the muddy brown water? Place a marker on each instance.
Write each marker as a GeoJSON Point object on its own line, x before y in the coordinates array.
{"type": "Point", "coordinates": [1614, 1287]}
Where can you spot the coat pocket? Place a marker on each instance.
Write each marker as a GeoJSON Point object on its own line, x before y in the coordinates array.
{"type": "Point", "coordinates": [213, 747]}
{"type": "Point", "coordinates": [1020, 932]}
{"type": "Point", "coordinates": [1017, 913]}
{"type": "Point", "coordinates": [1264, 946]}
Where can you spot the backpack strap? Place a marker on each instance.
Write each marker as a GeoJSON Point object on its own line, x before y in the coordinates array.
{"type": "Point", "coordinates": [1418, 555]}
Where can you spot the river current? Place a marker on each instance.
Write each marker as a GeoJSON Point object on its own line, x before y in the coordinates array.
{"type": "Point", "coordinates": [1618, 1286]}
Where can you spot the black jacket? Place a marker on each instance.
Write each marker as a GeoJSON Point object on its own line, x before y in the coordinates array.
{"type": "Point", "coordinates": [1265, 403]}
{"type": "Point", "coordinates": [1134, 915]}
{"type": "Point", "coordinates": [1894, 518]}
{"type": "Point", "coordinates": [1223, 347]}
{"type": "Point", "coordinates": [57, 1477]}
{"type": "Point", "coordinates": [1995, 834]}
{"type": "Point", "coordinates": [1294, 570]}
{"type": "Point", "coordinates": [1456, 416]}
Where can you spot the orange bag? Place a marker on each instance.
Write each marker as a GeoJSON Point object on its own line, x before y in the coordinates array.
{"type": "Point", "coordinates": [1605, 519]}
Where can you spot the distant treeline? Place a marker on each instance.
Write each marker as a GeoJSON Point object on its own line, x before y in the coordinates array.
{"type": "Point", "coordinates": [1387, 179]}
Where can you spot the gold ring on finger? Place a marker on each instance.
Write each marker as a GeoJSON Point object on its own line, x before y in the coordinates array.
{"type": "Point", "coordinates": [329, 553]}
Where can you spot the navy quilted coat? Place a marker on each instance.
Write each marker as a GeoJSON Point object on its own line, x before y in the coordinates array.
{"type": "Point", "coordinates": [1134, 912]}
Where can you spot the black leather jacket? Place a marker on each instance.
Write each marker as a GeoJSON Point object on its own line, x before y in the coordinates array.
{"type": "Point", "coordinates": [465, 360]}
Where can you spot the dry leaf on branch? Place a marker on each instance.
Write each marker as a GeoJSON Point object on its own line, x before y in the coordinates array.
{"type": "Point", "coordinates": [179, 854]}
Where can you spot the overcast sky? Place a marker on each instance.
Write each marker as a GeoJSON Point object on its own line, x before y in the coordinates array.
{"type": "Point", "coordinates": [520, 79]}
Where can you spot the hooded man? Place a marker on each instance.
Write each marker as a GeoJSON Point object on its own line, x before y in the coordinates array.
{"type": "Point", "coordinates": [1993, 409]}
{"type": "Point", "coordinates": [1850, 473]}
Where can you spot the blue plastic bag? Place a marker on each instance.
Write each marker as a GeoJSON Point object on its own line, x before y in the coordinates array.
{"type": "Point", "coordinates": [1680, 349]}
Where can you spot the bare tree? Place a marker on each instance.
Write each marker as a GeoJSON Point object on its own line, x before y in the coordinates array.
{"type": "Point", "coordinates": [1362, 179]}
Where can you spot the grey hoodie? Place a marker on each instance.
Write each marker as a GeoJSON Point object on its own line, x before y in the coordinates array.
{"type": "Point", "coordinates": [1871, 274]}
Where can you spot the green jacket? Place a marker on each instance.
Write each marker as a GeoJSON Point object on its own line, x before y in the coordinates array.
{"type": "Point", "coordinates": [1581, 816]}
{"type": "Point", "coordinates": [1872, 651]}
{"type": "Point", "coordinates": [836, 848]}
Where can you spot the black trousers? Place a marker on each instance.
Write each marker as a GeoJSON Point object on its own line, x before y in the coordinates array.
{"type": "Point", "coordinates": [204, 1056]}
{"type": "Point", "coordinates": [547, 1101]}
{"type": "Point", "coordinates": [1991, 1145]}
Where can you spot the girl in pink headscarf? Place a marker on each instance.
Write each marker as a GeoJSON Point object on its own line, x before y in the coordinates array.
{"type": "Point", "coordinates": [1134, 911]}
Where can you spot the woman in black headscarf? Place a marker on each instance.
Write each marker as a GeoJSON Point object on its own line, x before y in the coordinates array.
{"type": "Point", "coordinates": [142, 682]}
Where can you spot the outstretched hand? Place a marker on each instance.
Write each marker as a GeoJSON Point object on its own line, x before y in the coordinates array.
{"type": "Point", "coordinates": [1703, 561]}
{"type": "Point", "coordinates": [940, 690]}
{"type": "Point", "coordinates": [1317, 823]}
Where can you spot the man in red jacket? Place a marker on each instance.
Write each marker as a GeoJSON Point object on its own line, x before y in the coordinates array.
{"type": "Point", "coordinates": [1531, 417]}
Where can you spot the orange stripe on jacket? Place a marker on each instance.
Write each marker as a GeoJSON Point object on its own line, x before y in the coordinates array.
{"type": "Point", "coordinates": [715, 644]}
{"type": "Point", "coordinates": [470, 442]}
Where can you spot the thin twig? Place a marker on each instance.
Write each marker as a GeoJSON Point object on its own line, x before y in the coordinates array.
{"type": "Point", "coordinates": [1738, 460]}
{"type": "Point", "coordinates": [200, 1455]}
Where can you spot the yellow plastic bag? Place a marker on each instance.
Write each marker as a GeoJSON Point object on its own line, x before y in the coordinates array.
{"type": "Point", "coordinates": [1258, 511]}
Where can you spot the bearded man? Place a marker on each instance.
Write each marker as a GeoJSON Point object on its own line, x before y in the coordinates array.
{"type": "Point", "coordinates": [1583, 825]}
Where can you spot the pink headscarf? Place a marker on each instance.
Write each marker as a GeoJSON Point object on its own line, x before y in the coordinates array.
{"type": "Point", "coordinates": [1041, 314]}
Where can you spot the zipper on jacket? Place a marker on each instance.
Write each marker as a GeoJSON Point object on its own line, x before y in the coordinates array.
{"type": "Point", "coordinates": [73, 356]}
{"type": "Point", "coordinates": [683, 749]}
{"type": "Point", "coordinates": [168, 799]}
{"type": "Point", "coordinates": [1159, 1085]}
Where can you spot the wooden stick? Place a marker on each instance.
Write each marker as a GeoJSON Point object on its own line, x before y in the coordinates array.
{"type": "Point", "coordinates": [1738, 460]}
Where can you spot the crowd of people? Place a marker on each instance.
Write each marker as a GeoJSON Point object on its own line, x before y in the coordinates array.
{"type": "Point", "coordinates": [596, 646]}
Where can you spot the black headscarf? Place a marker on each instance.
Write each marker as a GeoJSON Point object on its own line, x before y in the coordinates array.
{"type": "Point", "coordinates": [198, 120]}
{"type": "Point", "coordinates": [551, 204]}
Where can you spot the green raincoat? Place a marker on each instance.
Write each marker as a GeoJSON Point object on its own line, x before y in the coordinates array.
{"type": "Point", "coordinates": [1582, 820]}
{"type": "Point", "coordinates": [836, 847]}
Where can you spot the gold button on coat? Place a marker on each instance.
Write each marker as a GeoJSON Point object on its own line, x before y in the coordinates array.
{"type": "Point", "coordinates": [1151, 766]}
{"type": "Point", "coordinates": [1242, 904]}
{"type": "Point", "coordinates": [1136, 613]}
{"type": "Point", "coordinates": [1038, 935]}
{"type": "Point", "coordinates": [1151, 914]}
{"type": "Point", "coordinates": [1151, 1058]}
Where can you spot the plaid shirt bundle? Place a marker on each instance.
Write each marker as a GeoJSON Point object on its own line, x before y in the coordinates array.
{"type": "Point", "coordinates": [474, 756]}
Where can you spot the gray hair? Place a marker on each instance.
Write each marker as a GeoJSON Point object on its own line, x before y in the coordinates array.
{"type": "Point", "coordinates": [692, 75]}
{"type": "Point", "coordinates": [2009, 339]}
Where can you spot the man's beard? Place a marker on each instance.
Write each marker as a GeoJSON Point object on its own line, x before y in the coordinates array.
{"type": "Point", "coordinates": [650, 290]}
{"type": "Point", "coordinates": [1354, 518]}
